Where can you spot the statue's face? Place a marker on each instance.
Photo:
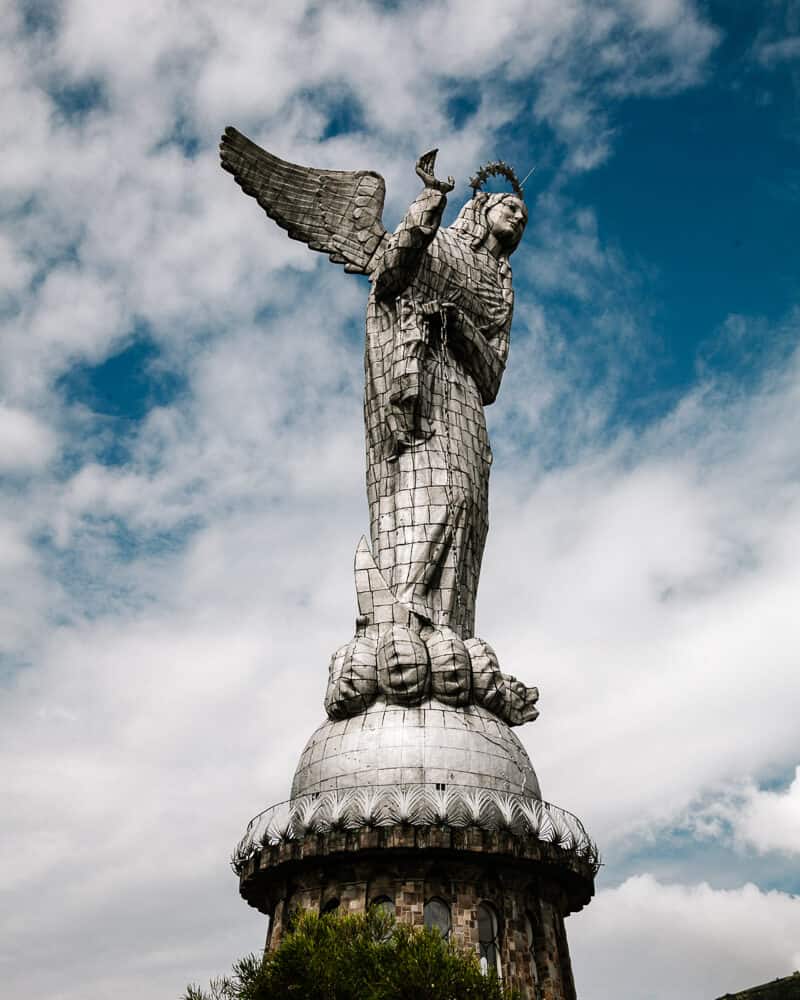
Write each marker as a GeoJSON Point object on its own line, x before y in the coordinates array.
{"type": "Point", "coordinates": [507, 221]}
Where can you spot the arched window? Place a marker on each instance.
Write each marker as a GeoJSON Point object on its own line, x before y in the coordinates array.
{"type": "Point", "coordinates": [384, 903]}
{"type": "Point", "coordinates": [488, 939]}
{"type": "Point", "coordinates": [436, 913]}
{"type": "Point", "coordinates": [330, 906]}
{"type": "Point", "coordinates": [536, 947]}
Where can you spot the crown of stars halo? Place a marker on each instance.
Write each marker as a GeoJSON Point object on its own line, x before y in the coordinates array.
{"type": "Point", "coordinates": [494, 169]}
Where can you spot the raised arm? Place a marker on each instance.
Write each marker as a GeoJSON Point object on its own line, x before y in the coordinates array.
{"type": "Point", "coordinates": [403, 250]}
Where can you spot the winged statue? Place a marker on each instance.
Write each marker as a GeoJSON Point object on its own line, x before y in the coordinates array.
{"type": "Point", "coordinates": [437, 335]}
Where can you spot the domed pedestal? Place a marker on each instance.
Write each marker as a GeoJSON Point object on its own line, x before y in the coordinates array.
{"type": "Point", "coordinates": [434, 812]}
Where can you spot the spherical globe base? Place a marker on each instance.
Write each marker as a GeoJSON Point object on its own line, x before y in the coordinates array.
{"type": "Point", "coordinates": [433, 743]}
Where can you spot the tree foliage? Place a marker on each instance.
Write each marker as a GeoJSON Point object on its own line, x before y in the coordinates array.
{"type": "Point", "coordinates": [365, 956]}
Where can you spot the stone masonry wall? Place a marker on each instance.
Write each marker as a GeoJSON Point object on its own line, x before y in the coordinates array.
{"type": "Point", "coordinates": [533, 953]}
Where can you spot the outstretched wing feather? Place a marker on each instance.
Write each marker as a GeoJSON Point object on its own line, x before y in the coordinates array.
{"type": "Point", "coordinates": [337, 212]}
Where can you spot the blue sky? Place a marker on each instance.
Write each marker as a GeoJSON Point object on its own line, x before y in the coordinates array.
{"type": "Point", "coordinates": [702, 188]}
{"type": "Point", "coordinates": [182, 462]}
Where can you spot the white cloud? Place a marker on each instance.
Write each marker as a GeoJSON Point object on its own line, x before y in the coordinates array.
{"type": "Point", "coordinates": [25, 442]}
{"type": "Point", "coordinates": [778, 39]}
{"type": "Point", "coordinates": [15, 271]}
{"type": "Point", "coordinates": [648, 939]}
{"type": "Point", "coordinates": [771, 53]}
{"type": "Point", "coordinates": [752, 817]}
{"type": "Point", "coordinates": [771, 820]}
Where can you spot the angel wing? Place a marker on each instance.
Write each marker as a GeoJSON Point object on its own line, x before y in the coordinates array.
{"type": "Point", "coordinates": [335, 211]}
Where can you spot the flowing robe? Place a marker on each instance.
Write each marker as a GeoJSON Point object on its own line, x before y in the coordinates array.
{"type": "Point", "coordinates": [437, 336]}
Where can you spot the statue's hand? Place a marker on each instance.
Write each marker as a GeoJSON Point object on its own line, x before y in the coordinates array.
{"type": "Point", "coordinates": [424, 169]}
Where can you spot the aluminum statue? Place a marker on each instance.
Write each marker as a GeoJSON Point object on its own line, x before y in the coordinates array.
{"type": "Point", "coordinates": [437, 336]}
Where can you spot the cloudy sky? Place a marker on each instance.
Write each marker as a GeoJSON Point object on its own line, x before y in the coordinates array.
{"type": "Point", "coordinates": [182, 461]}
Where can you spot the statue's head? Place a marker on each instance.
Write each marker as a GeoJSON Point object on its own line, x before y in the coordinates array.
{"type": "Point", "coordinates": [496, 219]}
{"type": "Point", "coordinates": [502, 216]}
{"type": "Point", "coordinates": [506, 218]}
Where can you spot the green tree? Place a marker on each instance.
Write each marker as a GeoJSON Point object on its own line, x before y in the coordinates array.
{"type": "Point", "coordinates": [364, 956]}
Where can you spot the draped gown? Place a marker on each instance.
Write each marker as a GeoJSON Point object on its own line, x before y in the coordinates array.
{"type": "Point", "coordinates": [437, 337]}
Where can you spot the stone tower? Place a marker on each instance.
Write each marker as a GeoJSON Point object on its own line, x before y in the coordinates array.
{"type": "Point", "coordinates": [414, 794]}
